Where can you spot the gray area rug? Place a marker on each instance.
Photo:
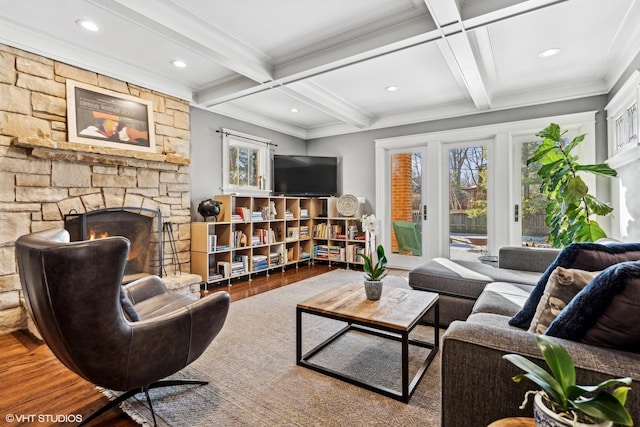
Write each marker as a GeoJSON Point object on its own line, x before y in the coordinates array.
{"type": "Point", "coordinates": [254, 380]}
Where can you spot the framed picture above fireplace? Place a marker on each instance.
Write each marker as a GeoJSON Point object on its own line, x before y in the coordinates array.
{"type": "Point", "coordinates": [105, 118]}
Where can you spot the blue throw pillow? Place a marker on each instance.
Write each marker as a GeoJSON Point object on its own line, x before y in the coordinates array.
{"type": "Point", "coordinates": [606, 312]}
{"type": "Point", "coordinates": [583, 256]}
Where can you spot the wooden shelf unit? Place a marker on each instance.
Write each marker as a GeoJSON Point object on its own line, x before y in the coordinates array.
{"type": "Point", "coordinates": [248, 238]}
{"type": "Point", "coordinates": [336, 239]}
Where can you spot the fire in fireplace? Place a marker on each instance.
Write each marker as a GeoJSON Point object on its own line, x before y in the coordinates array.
{"type": "Point", "coordinates": [142, 226]}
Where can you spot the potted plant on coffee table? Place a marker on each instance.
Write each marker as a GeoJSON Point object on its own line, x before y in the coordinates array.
{"type": "Point", "coordinates": [374, 273]}
{"type": "Point", "coordinates": [565, 402]}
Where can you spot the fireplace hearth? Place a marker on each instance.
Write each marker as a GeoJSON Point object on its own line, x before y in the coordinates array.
{"type": "Point", "coordinates": [142, 226]}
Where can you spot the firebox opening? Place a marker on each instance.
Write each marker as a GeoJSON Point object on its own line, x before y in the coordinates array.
{"type": "Point", "coordinates": [140, 225]}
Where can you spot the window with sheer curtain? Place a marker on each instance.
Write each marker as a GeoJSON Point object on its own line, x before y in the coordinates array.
{"type": "Point", "coordinates": [246, 163]}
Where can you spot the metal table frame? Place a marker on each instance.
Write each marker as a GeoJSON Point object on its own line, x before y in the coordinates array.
{"type": "Point", "coordinates": [385, 332]}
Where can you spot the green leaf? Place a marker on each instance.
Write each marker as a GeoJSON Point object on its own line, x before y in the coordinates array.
{"type": "Point", "coordinates": [540, 153]}
{"type": "Point", "coordinates": [577, 140]}
{"type": "Point", "coordinates": [551, 132]}
{"type": "Point", "coordinates": [538, 375]}
{"type": "Point", "coordinates": [549, 167]}
{"type": "Point", "coordinates": [558, 361]}
{"type": "Point", "coordinates": [574, 190]}
{"type": "Point", "coordinates": [596, 206]}
{"type": "Point", "coordinates": [599, 169]}
{"type": "Point", "coordinates": [604, 406]}
{"type": "Point", "coordinates": [590, 232]}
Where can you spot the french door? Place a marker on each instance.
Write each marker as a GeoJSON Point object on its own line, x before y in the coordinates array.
{"type": "Point", "coordinates": [402, 201]}
{"type": "Point", "coordinates": [438, 192]}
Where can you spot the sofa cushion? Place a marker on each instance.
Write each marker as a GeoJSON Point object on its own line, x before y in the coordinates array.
{"type": "Point", "coordinates": [502, 298]}
{"type": "Point", "coordinates": [563, 285]}
{"type": "Point", "coordinates": [606, 312]}
{"type": "Point", "coordinates": [463, 278]}
{"type": "Point", "coordinates": [128, 309]}
{"type": "Point", "coordinates": [584, 256]}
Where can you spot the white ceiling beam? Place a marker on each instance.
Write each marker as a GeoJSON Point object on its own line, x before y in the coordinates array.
{"type": "Point", "coordinates": [389, 35]}
{"type": "Point", "coordinates": [193, 32]}
{"type": "Point", "coordinates": [444, 12]}
{"type": "Point", "coordinates": [323, 100]}
{"type": "Point", "coordinates": [466, 66]}
{"type": "Point", "coordinates": [227, 90]}
{"type": "Point", "coordinates": [240, 113]}
{"type": "Point", "coordinates": [480, 13]}
{"type": "Point", "coordinates": [356, 46]}
{"type": "Point", "coordinates": [457, 51]}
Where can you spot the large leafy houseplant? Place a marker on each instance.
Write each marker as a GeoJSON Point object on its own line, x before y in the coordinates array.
{"type": "Point", "coordinates": [603, 402]}
{"type": "Point", "coordinates": [570, 207]}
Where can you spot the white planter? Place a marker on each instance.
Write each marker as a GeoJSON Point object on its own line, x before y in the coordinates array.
{"type": "Point", "coordinates": [373, 289]}
{"type": "Point", "coordinates": [545, 417]}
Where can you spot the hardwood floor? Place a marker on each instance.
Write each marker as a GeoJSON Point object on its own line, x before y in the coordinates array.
{"type": "Point", "coordinates": [34, 385]}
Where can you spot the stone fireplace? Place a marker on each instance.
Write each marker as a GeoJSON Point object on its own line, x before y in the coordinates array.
{"type": "Point", "coordinates": [44, 177]}
{"type": "Point", "coordinates": [143, 228]}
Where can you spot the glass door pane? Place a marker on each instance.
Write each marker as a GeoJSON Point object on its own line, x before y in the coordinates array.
{"type": "Point", "coordinates": [533, 203]}
{"type": "Point", "coordinates": [467, 202]}
{"type": "Point", "coordinates": [406, 187]}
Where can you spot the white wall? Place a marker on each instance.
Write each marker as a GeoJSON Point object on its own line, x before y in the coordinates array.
{"type": "Point", "coordinates": [356, 168]}
{"type": "Point", "coordinates": [206, 151]}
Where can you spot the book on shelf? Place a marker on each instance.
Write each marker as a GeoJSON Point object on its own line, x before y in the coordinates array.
{"type": "Point", "coordinates": [239, 239]}
{"type": "Point", "coordinates": [293, 233]}
{"type": "Point", "coordinates": [244, 213]}
{"type": "Point", "coordinates": [237, 268]}
{"type": "Point", "coordinates": [265, 235]}
{"type": "Point", "coordinates": [304, 213]}
{"type": "Point", "coordinates": [288, 215]}
{"type": "Point", "coordinates": [321, 251]}
{"type": "Point", "coordinates": [259, 262]}
{"type": "Point", "coordinates": [214, 276]}
{"type": "Point", "coordinates": [275, 259]}
{"type": "Point", "coordinates": [224, 268]}
{"type": "Point", "coordinates": [304, 231]}
{"type": "Point", "coordinates": [236, 218]}
{"type": "Point", "coordinates": [353, 253]}
{"type": "Point", "coordinates": [262, 214]}
{"type": "Point", "coordinates": [213, 242]}
{"type": "Point", "coordinates": [336, 253]}
{"type": "Point", "coordinates": [244, 260]}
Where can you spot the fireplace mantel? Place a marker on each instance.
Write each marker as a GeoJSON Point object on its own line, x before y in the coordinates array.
{"type": "Point", "coordinates": [64, 150]}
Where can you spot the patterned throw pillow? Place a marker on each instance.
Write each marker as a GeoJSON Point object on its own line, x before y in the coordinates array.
{"type": "Point", "coordinates": [562, 286]}
{"type": "Point", "coordinates": [585, 256]}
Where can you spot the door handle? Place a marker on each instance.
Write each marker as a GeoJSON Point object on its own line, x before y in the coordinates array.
{"type": "Point", "coordinates": [424, 212]}
{"type": "Point", "coordinates": [516, 213]}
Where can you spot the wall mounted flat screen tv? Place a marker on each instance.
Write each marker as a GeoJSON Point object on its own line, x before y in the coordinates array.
{"type": "Point", "coordinates": [305, 175]}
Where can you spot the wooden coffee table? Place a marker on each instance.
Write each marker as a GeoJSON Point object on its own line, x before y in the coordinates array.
{"type": "Point", "coordinates": [393, 316]}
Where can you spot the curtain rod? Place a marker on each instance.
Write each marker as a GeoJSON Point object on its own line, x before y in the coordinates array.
{"type": "Point", "coordinates": [246, 137]}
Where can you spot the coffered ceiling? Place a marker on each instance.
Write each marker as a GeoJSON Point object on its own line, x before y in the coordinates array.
{"type": "Point", "coordinates": [332, 61]}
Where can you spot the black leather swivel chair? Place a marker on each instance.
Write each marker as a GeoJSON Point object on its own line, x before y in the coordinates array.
{"type": "Point", "coordinates": [124, 338]}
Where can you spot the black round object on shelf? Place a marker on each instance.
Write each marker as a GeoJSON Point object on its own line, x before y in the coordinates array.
{"type": "Point", "coordinates": [209, 207]}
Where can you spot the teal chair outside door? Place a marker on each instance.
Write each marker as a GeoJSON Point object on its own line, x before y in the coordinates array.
{"type": "Point", "coordinates": [408, 236]}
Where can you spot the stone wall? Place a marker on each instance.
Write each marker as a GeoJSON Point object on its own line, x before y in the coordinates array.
{"type": "Point", "coordinates": [43, 176]}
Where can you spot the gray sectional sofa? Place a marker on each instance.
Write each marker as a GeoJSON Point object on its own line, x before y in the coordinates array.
{"type": "Point", "coordinates": [460, 283]}
{"type": "Point", "coordinates": [476, 382]}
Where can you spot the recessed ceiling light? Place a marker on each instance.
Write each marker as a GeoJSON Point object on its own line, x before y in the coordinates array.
{"type": "Point", "coordinates": [549, 52]}
{"type": "Point", "coordinates": [391, 88]}
{"type": "Point", "coordinates": [294, 110]}
{"type": "Point", "coordinates": [88, 25]}
{"type": "Point", "coordinates": [178, 63]}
